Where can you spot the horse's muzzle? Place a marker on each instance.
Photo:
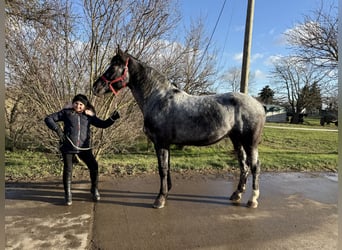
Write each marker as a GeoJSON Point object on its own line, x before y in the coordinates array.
{"type": "Point", "coordinates": [98, 90]}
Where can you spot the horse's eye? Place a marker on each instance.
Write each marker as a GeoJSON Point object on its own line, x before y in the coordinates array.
{"type": "Point", "coordinates": [108, 73]}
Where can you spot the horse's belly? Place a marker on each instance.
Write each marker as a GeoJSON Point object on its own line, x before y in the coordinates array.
{"type": "Point", "coordinates": [199, 133]}
{"type": "Point", "coordinates": [198, 141]}
{"type": "Point", "coordinates": [194, 138]}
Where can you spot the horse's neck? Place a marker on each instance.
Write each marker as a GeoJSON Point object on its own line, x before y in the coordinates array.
{"type": "Point", "coordinates": [145, 86]}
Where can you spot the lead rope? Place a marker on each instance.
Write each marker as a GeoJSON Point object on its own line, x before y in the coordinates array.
{"type": "Point", "coordinates": [78, 148]}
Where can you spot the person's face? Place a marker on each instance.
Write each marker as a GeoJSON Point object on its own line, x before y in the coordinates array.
{"type": "Point", "coordinates": [78, 106]}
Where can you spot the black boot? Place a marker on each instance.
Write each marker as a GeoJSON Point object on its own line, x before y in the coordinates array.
{"type": "Point", "coordinates": [94, 182]}
{"type": "Point", "coordinates": [67, 189]}
{"type": "Point", "coordinates": [95, 193]}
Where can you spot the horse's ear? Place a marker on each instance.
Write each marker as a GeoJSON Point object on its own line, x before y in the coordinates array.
{"type": "Point", "coordinates": [119, 51]}
{"type": "Point", "coordinates": [122, 54]}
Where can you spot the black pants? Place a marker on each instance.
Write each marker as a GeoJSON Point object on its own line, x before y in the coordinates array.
{"type": "Point", "coordinates": [89, 159]}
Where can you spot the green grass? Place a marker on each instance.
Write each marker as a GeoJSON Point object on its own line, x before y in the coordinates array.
{"type": "Point", "coordinates": [31, 165]}
{"type": "Point", "coordinates": [284, 149]}
{"type": "Point", "coordinates": [280, 150]}
{"type": "Point", "coordinates": [217, 156]}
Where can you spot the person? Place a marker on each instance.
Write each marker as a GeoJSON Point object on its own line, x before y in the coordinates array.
{"type": "Point", "coordinates": [75, 139]}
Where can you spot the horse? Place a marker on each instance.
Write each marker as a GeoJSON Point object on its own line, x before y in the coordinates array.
{"type": "Point", "coordinates": [173, 117]}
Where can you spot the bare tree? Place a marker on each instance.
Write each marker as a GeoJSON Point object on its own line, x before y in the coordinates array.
{"type": "Point", "coordinates": [315, 39]}
{"type": "Point", "coordinates": [49, 60]}
{"type": "Point", "coordinates": [296, 77]}
{"type": "Point", "coordinates": [189, 66]}
{"type": "Point", "coordinates": [231, 79]}
{"type": "Point", "coordinates": [198, 65]}
{"type": "Point", "coordinates": [32, 84]}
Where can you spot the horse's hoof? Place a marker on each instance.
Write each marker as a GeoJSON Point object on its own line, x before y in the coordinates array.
{"type": "Point", "coordinates": [159, 202]}
{"type": "Point", "coordinates": [236, 197]}
{"type": "Point", "coordinates": [252, 204]}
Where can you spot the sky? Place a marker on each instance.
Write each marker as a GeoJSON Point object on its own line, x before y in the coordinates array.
{"type": "Point", "coordinates": [271, 19]}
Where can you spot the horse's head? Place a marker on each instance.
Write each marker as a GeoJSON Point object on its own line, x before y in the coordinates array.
{"type": "Point", "coordinates": [115, 77]}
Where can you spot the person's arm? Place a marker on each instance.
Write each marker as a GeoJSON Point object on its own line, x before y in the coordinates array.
{"type": "Point", "coordinates": [51, 121]}
{"type": "Point", "coordinates": [97, 122]}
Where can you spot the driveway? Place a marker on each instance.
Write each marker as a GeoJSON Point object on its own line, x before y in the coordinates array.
{"type": "Point", "coordinates": [296, 211]}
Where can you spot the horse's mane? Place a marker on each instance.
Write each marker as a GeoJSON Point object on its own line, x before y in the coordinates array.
{"type": "Point", "coordinates": [145, 72]}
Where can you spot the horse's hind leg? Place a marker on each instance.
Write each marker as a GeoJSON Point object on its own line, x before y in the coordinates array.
{"type": "Point", "coordinates": [244, 171]}
{"type": "Point", "coordinates": [253, 161]}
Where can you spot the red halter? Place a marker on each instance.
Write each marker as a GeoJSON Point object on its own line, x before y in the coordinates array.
{"type": "Point", "coordinates": [121, 78]}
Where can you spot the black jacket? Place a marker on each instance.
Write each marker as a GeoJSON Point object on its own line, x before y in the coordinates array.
{"type": "Point", "coordinates": [76, 128]}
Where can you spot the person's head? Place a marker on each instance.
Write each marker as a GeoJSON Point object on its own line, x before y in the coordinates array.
{"type": "Point", "coordinates": [80, 103]}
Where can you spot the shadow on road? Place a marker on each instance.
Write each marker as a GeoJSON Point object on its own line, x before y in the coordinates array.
{"type": "Point", "coordinates": [132, 198]}
{"type": "Point", "coordinates": [48, 192]}
{"type": "Point", "coordinates": [53, 193]}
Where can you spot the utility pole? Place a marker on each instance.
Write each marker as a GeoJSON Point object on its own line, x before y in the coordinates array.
{"type": "Point", "coordinates": [247, 47]}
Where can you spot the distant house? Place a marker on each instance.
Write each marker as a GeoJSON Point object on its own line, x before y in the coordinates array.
{"type": "Point", "coordinates": [275, 113]}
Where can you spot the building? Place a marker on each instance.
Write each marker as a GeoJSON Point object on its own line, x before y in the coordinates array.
{"type": "Point", "coordinates": [275, 113]}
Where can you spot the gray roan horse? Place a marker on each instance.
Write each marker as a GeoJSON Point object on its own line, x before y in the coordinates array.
{"type": "Point", "coordinates": [172, 116]}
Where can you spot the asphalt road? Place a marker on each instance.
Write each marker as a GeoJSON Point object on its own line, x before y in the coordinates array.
{"type": "Point", "coordinates": [296, 211]}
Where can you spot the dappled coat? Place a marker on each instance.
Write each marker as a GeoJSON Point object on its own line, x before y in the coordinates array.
{"type": "Point", "coordinates": [76, 128]}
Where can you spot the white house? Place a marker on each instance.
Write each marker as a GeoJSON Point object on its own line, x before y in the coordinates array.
{"type": "Point", "coordinates": [275, 113]}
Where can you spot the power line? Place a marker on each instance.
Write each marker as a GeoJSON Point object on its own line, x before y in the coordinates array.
{"type": "Point", "coordinates": [226, 37]}
{"type": "Point", "coordinates": [213, 32]}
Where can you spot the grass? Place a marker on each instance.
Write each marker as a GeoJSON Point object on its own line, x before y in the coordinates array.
{"type": "Point", "coordinates": [299, 150]}
{"type": "Point", "coordinates": [217, 156]}
{"type": "Point", "coordinates": [280, 150]}
{"type": "Point", "coordinates": [31, 165]}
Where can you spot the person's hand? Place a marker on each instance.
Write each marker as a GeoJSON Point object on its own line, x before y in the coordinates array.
{"type": "Point", "coordinates": [115, 115]}
{"type": "Point", "coordinates": [89, 112]}
{"type": "Point", "coordinates": [60, 135]}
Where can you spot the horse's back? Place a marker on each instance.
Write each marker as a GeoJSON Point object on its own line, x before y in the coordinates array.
{"type": "Point", "coordinates": [242, 100]}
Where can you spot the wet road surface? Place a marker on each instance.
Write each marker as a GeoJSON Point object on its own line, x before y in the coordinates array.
{"type": "Point", "coordinates": [296, 211]}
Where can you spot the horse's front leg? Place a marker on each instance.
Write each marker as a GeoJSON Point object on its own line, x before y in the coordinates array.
{"type": "Point", "coordinates": [163, 155]}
